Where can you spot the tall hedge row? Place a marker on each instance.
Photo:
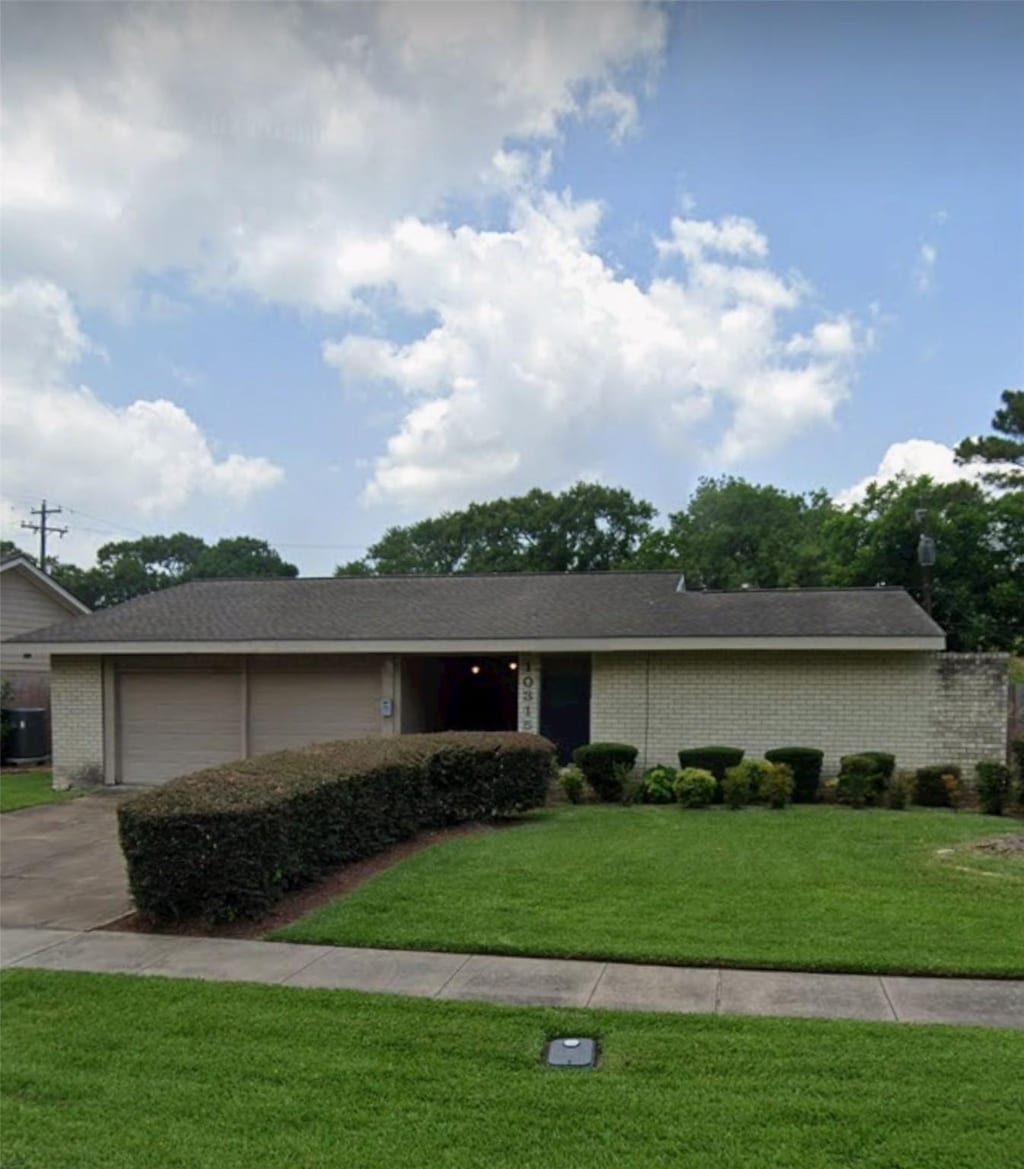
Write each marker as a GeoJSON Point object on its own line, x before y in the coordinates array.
{"type": "Point", "coordinates": [227, 842]}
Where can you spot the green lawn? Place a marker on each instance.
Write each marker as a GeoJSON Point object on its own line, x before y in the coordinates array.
{"type": "Point", "coordinates": [141, 1073]}
{"type": "Point", "coordinates": [24, 789]}
{"type": "Point", "coordinates": [808, 888]}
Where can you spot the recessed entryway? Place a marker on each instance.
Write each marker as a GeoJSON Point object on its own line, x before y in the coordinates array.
{"type": "Point", "coordinates": [459, 693]}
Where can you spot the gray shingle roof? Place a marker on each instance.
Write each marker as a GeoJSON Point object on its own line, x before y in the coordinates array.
{"type": "Point", "coordinates": [592, 606]}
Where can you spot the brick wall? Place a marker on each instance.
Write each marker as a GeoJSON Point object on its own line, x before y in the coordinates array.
{"type": "Point", "coordinates": [76, 701]}
{"type": "Point", "coordinates": [923, 707]}
{"type": "Point", "coordinates": [969, 708]}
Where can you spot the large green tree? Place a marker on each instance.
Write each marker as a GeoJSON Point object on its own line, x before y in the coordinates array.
{"type": "Point", "coordinates": [977, 581]}
{"type": "Point", "coordinates": [1002, 452]}
{"type": "Point", "coordinates": [586, 528]}
{"type": "Point", "coordinates": [129, 568]}
{"type": "Point", "coordinates": [734, 533]}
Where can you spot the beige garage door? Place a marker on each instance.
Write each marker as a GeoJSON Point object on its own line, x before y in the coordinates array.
{"type": "Point", "coordinates": [296, 702]}
{"type": "Point", "coordinates": [172, 722]}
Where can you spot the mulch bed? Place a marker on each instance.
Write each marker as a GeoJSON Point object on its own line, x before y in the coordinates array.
{"type": "Point", "coordinates": [302, 901]}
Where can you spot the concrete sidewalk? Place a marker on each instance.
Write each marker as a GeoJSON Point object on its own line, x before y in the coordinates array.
{"type": "Point", "coordinates": [530, 981]}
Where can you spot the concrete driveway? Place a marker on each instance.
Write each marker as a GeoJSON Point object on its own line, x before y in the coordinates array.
{"type": "Point", "coordinates": [61, 866]}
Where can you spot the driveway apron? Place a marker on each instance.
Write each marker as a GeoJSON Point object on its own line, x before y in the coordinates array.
{"type": "Point", "coordinates": [61, 865]}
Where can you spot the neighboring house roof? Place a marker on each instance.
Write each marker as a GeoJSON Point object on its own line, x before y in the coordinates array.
{"type": "Point", "coordinates": [549, 611]}
{"type": "Point", "coordinates": [17, 562]}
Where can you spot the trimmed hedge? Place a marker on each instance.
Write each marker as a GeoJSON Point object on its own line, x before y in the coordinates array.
{"type": "Point", "coordinates": [227, 842]}
{"type": "Point", "coordinates": [717, 760]}
{"type": "Point", "coordinates": [994, 785]}
{"type": "Point", "coordinates": [605, 765]}
{"type": "Point", "coordinates": [934, 787]}
{"type": "Point", "coordinates": [806, 764]}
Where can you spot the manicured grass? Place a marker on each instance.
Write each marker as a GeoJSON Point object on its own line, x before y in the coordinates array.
{"type": "Point", "coordinates": [104, 1071]}
{"type": "Point", "coordinates": [808, 888]}
{"type": "Point", "coordinates": [24, 789]}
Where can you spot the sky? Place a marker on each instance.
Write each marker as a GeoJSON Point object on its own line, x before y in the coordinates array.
{"type": "Point", "coordinates": [304, 272]}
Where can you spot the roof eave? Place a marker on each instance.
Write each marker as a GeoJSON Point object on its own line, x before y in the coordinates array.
{"type": "Point", "coordinates": [488, 645]}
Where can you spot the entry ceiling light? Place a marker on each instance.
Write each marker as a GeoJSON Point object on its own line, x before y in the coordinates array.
{"type": "Point", "coordinates": [474, 669]}
{"type": "Point", "coordinates": [513, 665]}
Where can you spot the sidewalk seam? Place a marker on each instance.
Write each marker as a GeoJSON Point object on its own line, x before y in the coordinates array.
{"type": "Point", "coordinates": [885, 991]}
{"type": "Point", "coordinates": [42, 949]}
{"type": "Point", "coordinates": [443, 986]}
{"type": "Point", "coordinates": [325, 950]}
{"type": "Point", "coordinates": [597, 983]}
{"type": "Point", "coordinates": [718, 992]}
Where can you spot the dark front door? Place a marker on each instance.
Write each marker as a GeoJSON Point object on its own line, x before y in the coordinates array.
{"type": "Point", "coordinates": [565, 703]}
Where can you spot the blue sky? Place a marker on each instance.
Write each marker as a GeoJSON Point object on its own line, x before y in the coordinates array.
{"type": "Point", "coordinates": [303, 274]}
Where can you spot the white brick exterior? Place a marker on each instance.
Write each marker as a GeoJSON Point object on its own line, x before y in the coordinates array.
{"type": "Point", "coordinates": [923, 707]}
{"type": "Point", "coordinates": [76, 703]}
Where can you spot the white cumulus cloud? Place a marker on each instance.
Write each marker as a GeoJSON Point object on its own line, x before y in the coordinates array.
{"type": "Point", "coordinates": [541, 352]}
{"type": "Point", "coordinates": [145, 460]}
{"type": "Point", "coordinates": [913, 457]}
{"type": "Point", "coordinates": [245, 144]}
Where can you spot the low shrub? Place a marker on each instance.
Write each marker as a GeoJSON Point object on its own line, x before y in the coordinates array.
{"type": "Point", "coordinates": [717, 760]}
{"type": "Point", "coordinates": [936, 787]}
{"type": "Point", "coordinates": [861, 780]}
{"type": "Point", "coordinates": [805, 764]}
{"type": "Point", "coordinates": [658, 785]}
{"type": "Point", "coordinates": [777, 785]}
{"type": "Point", "coordinates": [884, 762]}
{"type": "Point", "coordinates": [736, 787]}
{"type": "Point", "coordinates": [755, 771]}
{"type": "Point", "coordinates": [606, 766]}
{"type": "Point", "coordinates": [573, 783]}
{"type": "Point", "coordinates": [994, 786]}
{"type": "Point", "coordinates": [695, 787]}
{"type": "Point", "coordinates": [227, 842]}
{"type": "Point", "coordinates": [899, 791]}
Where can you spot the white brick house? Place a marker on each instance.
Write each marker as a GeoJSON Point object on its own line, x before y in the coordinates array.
{"type": "Point", "coordinates": [217, 670]}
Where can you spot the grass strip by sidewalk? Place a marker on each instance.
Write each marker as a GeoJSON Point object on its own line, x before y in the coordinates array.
{"type": "Point", "coordinates": [814, 888]}
{"type": "Point", "coordinates": [104, 1070]}
{"type": "Point", "coordinates": [25, 789]}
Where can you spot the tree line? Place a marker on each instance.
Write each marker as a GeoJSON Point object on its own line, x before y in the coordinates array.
{"type": "Point", "coordinates": [730, 534]}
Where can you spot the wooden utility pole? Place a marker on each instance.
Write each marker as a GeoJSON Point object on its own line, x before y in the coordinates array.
{"type": "Point", "coordinates": [43, 528]}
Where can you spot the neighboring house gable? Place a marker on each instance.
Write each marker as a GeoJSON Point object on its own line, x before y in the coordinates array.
{"type": "Point", "coordinates": [30, 600]}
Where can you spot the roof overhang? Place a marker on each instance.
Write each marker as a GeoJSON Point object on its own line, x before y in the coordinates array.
{"type": "Point", "coordinates": [489, 646]}
{"type": "Point", "coordinates": [45, 581]}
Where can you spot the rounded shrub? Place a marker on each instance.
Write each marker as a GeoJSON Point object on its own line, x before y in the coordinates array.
{"type": "Point", "coordinates": [861, 780]}
{"type": "Point", "coordinates": [936, 787]}
{"type": "Point", "coordinates": [776, 785]}
{"type": "Point", "coordinates": [573, 783]}
{"type": "Point", "coordinates": [695, 787]}
{"type": "Point", "coordinates": [606, 766]}
{"type": "Point", "coordinates": [994, 785]}
{"type": "Point", "coordinates": [899, 791]}
{"type": "Point", "coordinates": [806, 764]}
{"type": "Point", "coordinates": [736, 787]}
{"type": "Point", "coordinates": [658, 785]}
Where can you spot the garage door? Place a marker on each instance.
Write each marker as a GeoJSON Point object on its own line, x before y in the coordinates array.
{"type": "Point", "coordinates": [173, 722]}
{"type": "Point", "coordinates": [292, 704]}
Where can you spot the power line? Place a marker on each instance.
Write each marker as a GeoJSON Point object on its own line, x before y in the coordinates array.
{"type": "Point", "coordinates": [44, 529]}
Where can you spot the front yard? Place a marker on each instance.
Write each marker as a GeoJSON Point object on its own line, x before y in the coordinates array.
{"type": "Point", "coordinates": [813, 888]}
{"type": "Point", "coordinates": [25, 789]}
{"type": "Point", "coordinates": [104, 1071]}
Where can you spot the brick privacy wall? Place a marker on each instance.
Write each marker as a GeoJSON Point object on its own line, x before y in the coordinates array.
{"type": "Point", "coordinates": [76, 704]}
{"type": "Point", "coordinates": [923, 707]}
